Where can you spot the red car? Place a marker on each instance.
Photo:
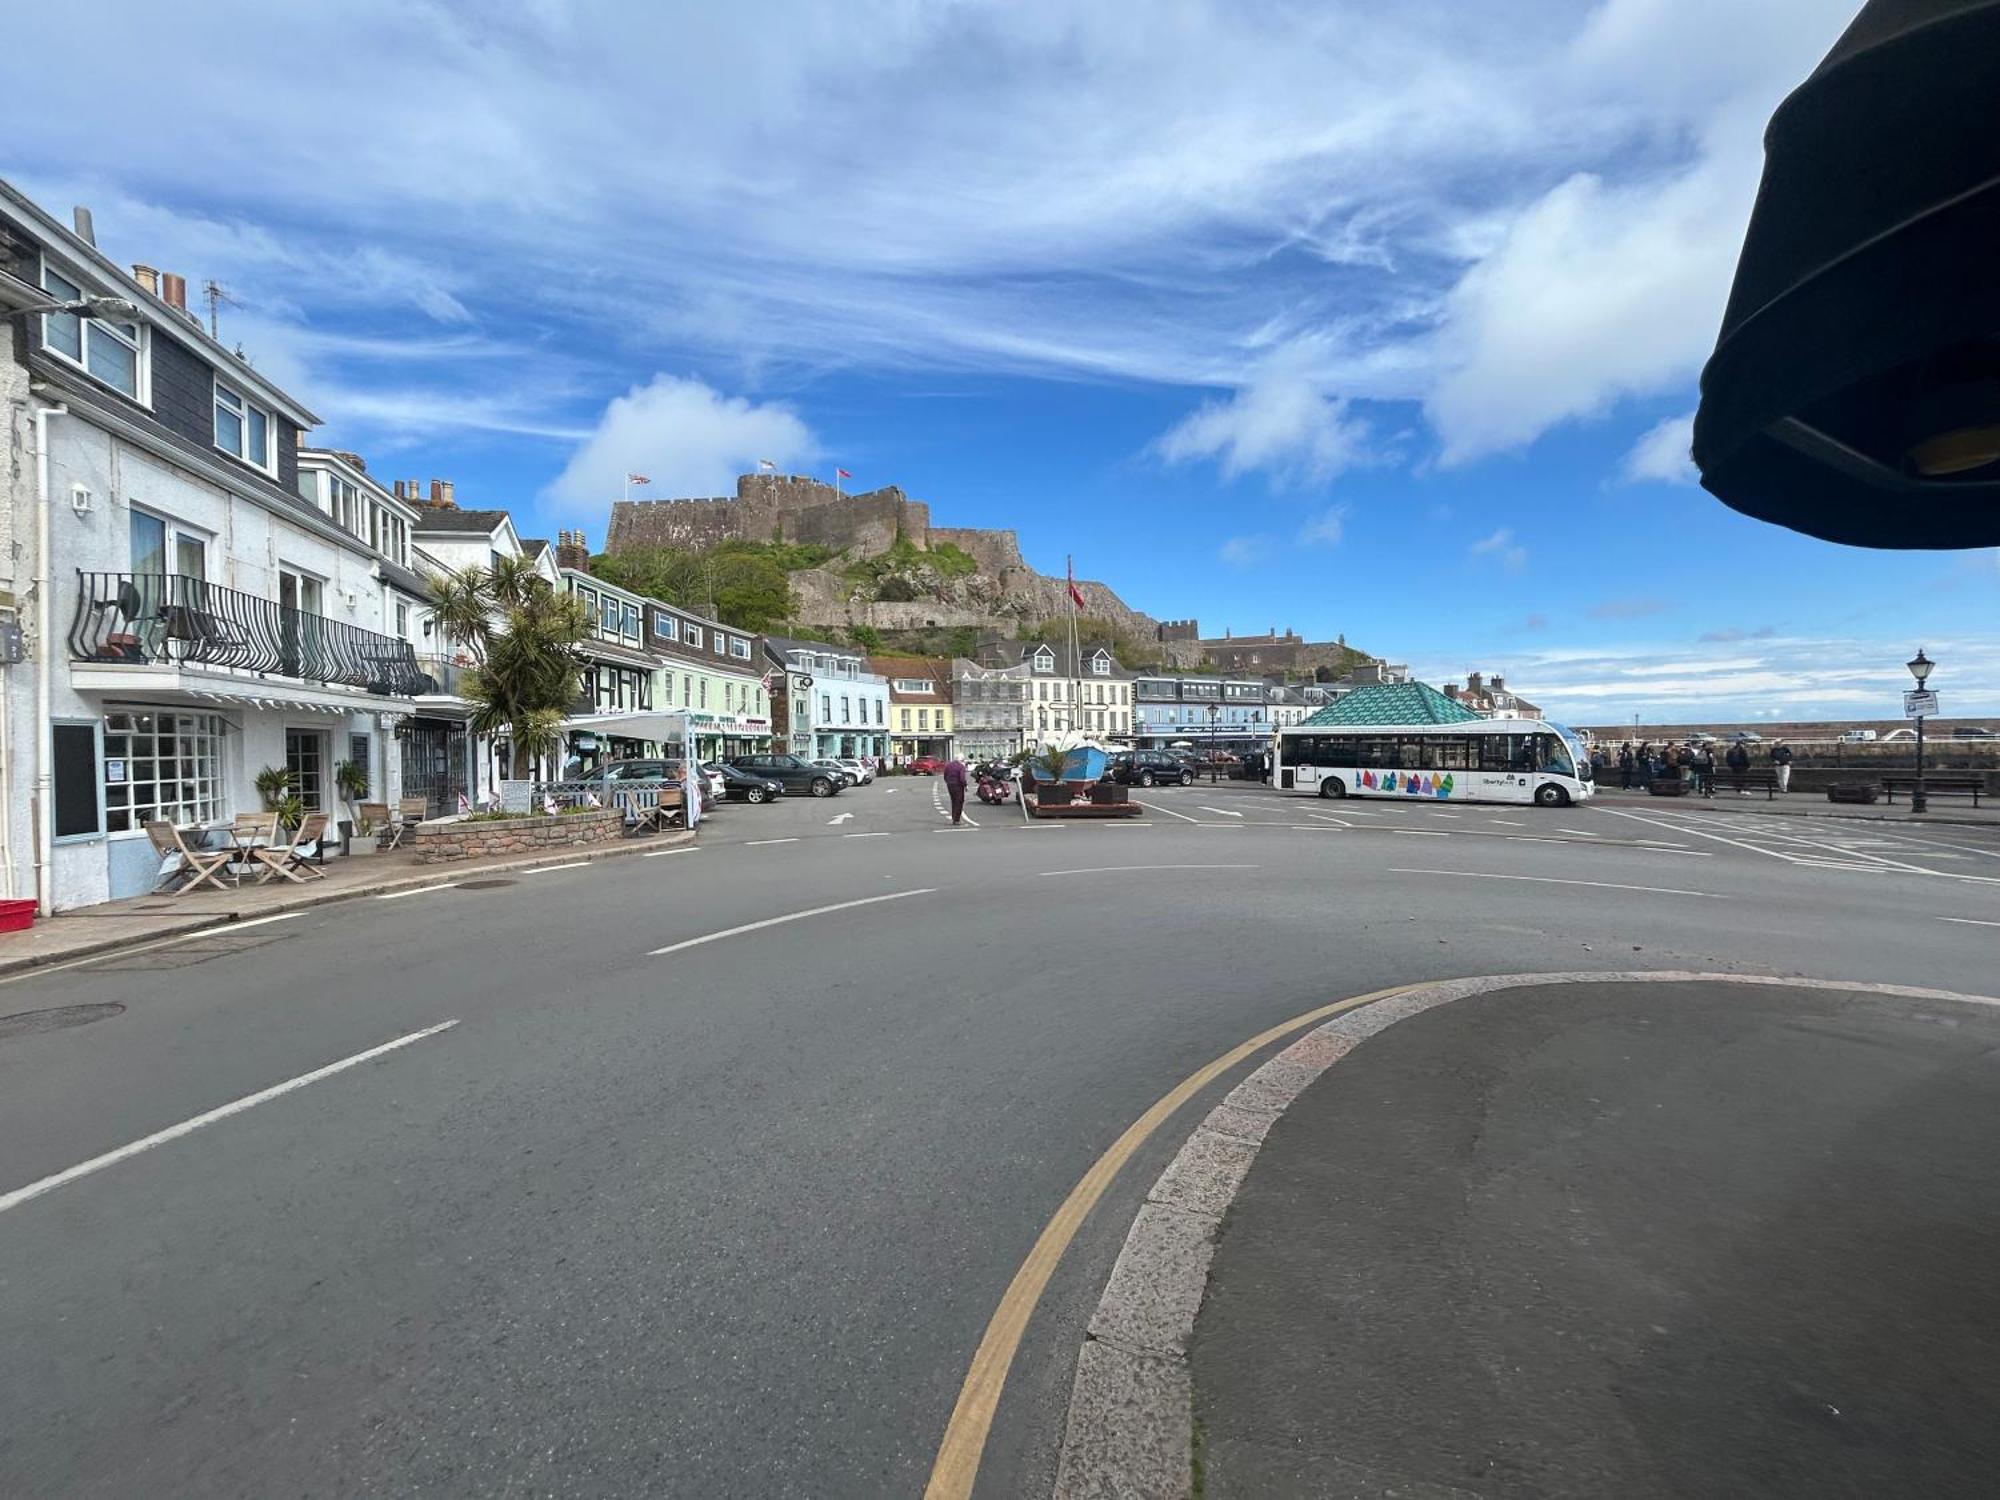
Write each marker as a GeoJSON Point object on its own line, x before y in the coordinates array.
{"type": "Point", "coordinates": [926, 765]}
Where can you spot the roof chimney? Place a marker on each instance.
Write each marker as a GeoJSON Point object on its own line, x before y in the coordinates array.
{"type": "Point", "coordinates": [1499, 682]}
{"type": "Point", "coordinates": [572, 551]}
{"type": "Point", "coordinates": [85, 229]}
{"type": "Point", "coordinates": [174, 290]}
{"type": "Point", "coordinates": [147, 277]}
{"type": "Point", "coordinates": [441, 495]}
{"type": "Point", "coordinates": [410, 491]}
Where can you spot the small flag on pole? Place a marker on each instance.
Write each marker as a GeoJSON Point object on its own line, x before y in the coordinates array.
{"type": "Point", "coordinates": [765, 466]}
{"type": "Point", "coordinates": [843, 473]}
{"type": "Point", "coordinates": [1075, 593]}
{"type": "Point", "coordinates": [637, 479]}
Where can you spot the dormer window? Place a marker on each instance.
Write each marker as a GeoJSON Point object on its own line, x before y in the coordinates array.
{"type": "Point", "coordinates": [243, 429]}
{"type": "Point", "coordinates": [109, 350]}
{"type": "Point", "coordinates": [1045, 661]}
{"type": "Point", "coordinates": [1100, 665]}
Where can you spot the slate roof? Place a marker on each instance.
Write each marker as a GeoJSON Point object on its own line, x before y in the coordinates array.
{"type": "Point", "coordinates": [439, 518]}
{"type": "Point", "coordinates": [1392, 703]}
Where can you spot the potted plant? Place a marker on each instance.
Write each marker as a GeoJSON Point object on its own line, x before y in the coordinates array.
{"type": "Point", "coordinates": [350, 779]}
{"type": "Point", "coordinates": [274, 785]}
{"type": "Point", "coordinates": [1050, 788]}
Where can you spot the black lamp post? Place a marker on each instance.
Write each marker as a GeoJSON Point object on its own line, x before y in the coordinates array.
{"type": "Point", "coordinates": [1920, 668]}
{"type": "Point", "coordinates": [1214, 713]}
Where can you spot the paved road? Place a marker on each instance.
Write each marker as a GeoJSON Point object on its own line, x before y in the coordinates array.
{"type": "Point", "coordinates": [730, 1220]}
{"type": "Point", "coordinates": [1619, 1239]}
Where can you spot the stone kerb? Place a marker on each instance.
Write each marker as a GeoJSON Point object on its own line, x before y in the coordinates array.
{"type": "Point", "coordinates": [446, 842]}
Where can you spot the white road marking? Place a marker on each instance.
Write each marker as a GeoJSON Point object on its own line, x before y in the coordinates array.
{"type": "Point", "coordinates": [838, 818]}
{"type": "Point", "coordinates": [1420, 833]}
{"type": "Point", "coordinates": [1506, 823]}
{"type": "Point", "coordinates": [968, 827]}
{"type": "Point", "coordinates": [1702, 833]}
{"type": "Point", "coordinates": [753, 843]}
{"type": "Point", "coordinates": [1529, 838]}
{"type": "Point", "coordinates": [187, 937]}
{"type": "Point", "coordinates": [684, 849]}
{"type": "Point", "coordinates": [422, 890]}
{"type": "Point", "coordinates": [1155, 807]}
{"type": "Point", "coordinates": [796, 916]}
{"type": "Point", "coordinates": [1583, 833]}
{"type": "Point", "coordinates": [1128, 869]}
{"type": "Point", "coordinates": [188, 1127]}
{"type": "Point", "coordinates": [1330, 818]}
{"type": "Point", "coordinates": [575, 864]}
{"type": "Point", "coordinates": [1604, 885]}
{"type": "Point", "coordinates": [1219, 811]}
{"type": "Point", "coordinates": [1969, 921]}
{"type": "Point", "coordinates": [864, 835]}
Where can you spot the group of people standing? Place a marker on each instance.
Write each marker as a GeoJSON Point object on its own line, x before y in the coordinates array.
{"type": "Point", "coordinates": [1641, 764]}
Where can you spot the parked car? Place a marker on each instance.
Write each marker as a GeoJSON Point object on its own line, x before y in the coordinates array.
{"type": "Point", "coordinates": [1857, 737]}
{"type": "Point", "coordinates": [659, 770]}
{"type": "Point", "coordinates": [862, 770]}
{"type": "Point", "coordinates": [1899, 734]}
{"type": "Point", "coordinates": [828, 763]}
{"type": "Point", "coordinates": [1971, 732]}
{"type": "Point", "coordinates": [794, 774]}
{"type": "Point", "coordinates": [926, 765]}
{"type": "Point", "coordinates": [1701, 737]}
{"type": "Point", "coordinates": [741, 786]}
{"type": "Point", "coordinates": [1150, 768]}
{"type": "Point", "coordinates": [1747, 737]}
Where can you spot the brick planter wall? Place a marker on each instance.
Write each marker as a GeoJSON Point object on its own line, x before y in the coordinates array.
{"type": "Point", "coordinates": [442, 843]}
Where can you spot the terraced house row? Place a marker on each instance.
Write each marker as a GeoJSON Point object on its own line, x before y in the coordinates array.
{"type": "Point", "coordinates": [192, 592]}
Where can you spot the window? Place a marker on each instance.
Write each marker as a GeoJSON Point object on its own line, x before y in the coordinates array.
{"type": "Point", "coordinates": [305, 758]}
{"type": "Point", "coordinates": [694, 636]}
{"type": "Point", "coordinates": [1503, 752]}
{"type": "Point", "coordinates": [607, 615]}
{"type": "Point", "coordinates": [846, 710]}
{"type": "Point", "coordinates": [1044, 662]}
{"type": "Point", "coordinates": [915, 685]}
{"type": "Point", "coordinates": [165, 766]}
{"type": "Point", "coordinates": [243, 429]}
{"type": "Point", "coordinates": [1100, 664]}
{"type": "Point", "coordinates": [739, 648]}
{"type": "Point", "coordinates": [79, 812]}
{"type": "Point", "coordinates": [704, 693]}
{"type": "Point", "coordinates": [665, 626]}
{"type": "Point", "coordinates": [359, 750]}
{"type": "Point", "coordinates": [923, 718]}
{"type": "Point", "coordinates": [721, 644]}
{"type": "Point", "coordinates": [881, 707]}
{"type": "Point", "coordinates": [905, 720]}
{"type": "Point", "coordinates": [109, 350]}
{"type": "Point", "coordinates": [826, 708]}
{"type": "Point", "coordinates": [628, 622]}
{"type": "Point", "coordinates": [403, 621]}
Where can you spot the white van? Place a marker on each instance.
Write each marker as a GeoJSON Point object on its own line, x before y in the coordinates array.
{"type": "Point", "coordinates": [1857, 737]}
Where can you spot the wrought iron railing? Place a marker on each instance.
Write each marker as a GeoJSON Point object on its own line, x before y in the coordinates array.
{"type": "Point", "coordinates": [169, 618]}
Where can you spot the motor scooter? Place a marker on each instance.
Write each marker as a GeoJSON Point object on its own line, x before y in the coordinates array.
{"type": "Point", "coordinates": [995, 786]}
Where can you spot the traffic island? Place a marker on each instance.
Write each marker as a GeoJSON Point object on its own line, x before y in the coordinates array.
{"type": "Point", "coordinates": [1621, 1233]}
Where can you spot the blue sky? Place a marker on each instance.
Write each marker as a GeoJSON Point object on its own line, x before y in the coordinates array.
{"type": "Point", "coordinates": [1370, 319]}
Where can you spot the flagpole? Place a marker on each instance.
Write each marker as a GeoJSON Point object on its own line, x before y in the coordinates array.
{"type": "Point", "coordinates": [1075, 710]}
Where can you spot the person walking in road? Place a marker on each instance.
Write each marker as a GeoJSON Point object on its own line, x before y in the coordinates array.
{"type": "Point", "coordinates": [1781, 764]}
{"type": "Point", "coordinates": [1739, 762]}
{"type": "Point", "coordinates": [954, 786]}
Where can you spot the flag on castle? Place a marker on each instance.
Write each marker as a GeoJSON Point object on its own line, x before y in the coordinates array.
{"type": "Point", "coordinates": [637, 479]}
{"type": "Point", "coordinates": [765, 466]}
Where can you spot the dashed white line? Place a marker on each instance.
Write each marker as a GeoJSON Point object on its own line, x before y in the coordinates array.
{"type": "Point", "coordinates": [796, 916]}
{"type": "Point", "coordinates": [575, 864]}
{"type": "Point", "coordinates": [1969, 921]}
{"type": "Point", "coordinates": [753, 843]}
{"type": "Point", "coordinates": [1603, 885]}
{"type": "Point", "coordinates": [684, 849]}
{"type": "Point", "coordinates": [1130, 869]}
{"type": "Point", "coordinates": [1506, 823]}
{"type": "Point", "coordinates": [1420, 833]}
{"type": "Point", "coordinates": [422, 890]}
{"type": "Point", "coordinates": [1155, 807]}
{"type": "Point", "coordinates": [1219, 811]}
{"type": "Point", "coordinates": [864, 835]}
{"type": "Point", "coordinates": [187, 1127]}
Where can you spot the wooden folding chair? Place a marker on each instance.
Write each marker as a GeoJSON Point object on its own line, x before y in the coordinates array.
{"type": "Point", "coordinates": [290, 861]}
{"type": "Point", "coordinates": [409, 813]}
{"type": "Point", "coordinates": [200, 866]}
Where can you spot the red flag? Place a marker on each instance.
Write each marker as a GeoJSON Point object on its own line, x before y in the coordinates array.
{"type": "Point", "coordinates": [1074, 593]}
{"type": "Point", "coordinates": [843, 473]}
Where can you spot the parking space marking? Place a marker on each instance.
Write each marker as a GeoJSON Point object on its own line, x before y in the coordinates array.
{"type": "Point", "coordinates": [1218, 811]}
{"type": "Point", "coordinates": [865, 835]}
{"type": "Point", "coordinates": [753, 843]}
{"type": "Point", "coordinates": [1155, 807]}
{"type": "Point", "coordinates": [575, 864]}
{"type": "Point", "coordinates": [1603, 885]}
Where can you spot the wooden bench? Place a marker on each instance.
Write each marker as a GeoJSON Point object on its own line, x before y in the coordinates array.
{"type": "Point", "coordinates": [1936, 786]}
{"type": "Point", "coordinates": [1754, 779]}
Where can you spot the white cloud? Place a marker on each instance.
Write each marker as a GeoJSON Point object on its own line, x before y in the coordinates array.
{"type": "Point", "coordinates": [685, 437]}
{"type": "Point", "coordinates": [1244, 551]}
{"type": "Point", "coordinates": [1282, 421]}
{"type": "Point", "coordinates": [1325, 529]}
{"type": "Point", "coordinates": [1501, 546]}
{"type": "Point", "coordinates": [1661, 456]}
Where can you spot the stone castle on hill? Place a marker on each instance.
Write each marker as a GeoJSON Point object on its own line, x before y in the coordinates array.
{"type": "Point", "coordinates": [1002, 594]}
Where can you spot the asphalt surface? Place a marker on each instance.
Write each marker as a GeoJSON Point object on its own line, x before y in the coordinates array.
{"type": "Point", "coordinates": [730, 1220]}
{"type": "Point", "coordinates": [1622, 1239]}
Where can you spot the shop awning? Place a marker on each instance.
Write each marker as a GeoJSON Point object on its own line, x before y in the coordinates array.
{"type": "Point", "coordinates": [663, 728]}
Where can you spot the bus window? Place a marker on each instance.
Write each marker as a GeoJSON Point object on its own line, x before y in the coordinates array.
{"type": "Point", "coordinates": [1411, 754]}
{"type": "Point", "coordinates": [1448, 752]}
{"type": "Point", "coordinates": [1553, 755]}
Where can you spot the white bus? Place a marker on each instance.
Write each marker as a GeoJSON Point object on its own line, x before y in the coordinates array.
{"type": "Point", "coordinates": [1488, 760]}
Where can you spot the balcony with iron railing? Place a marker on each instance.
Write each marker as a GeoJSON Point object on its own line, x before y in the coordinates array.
{"type": "Point", "coordinates": [170, 619]}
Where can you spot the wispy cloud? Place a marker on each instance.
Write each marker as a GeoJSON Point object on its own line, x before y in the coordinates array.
{"type": "Point", "coordinates": [1735, 633]}
{"type": "Point", "coordinates": [1325, 529]}
{"type": "Point", "coordinates": [1244, 551]}
{"type": "Point", "coordinates": [1283, 422]}
{"type": "Point", "coordinates": [1661, 456]}
{"type": "Point", "coordinates": [1501, 546]}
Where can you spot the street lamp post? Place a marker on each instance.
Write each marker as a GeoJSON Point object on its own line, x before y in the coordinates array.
{"type": "Point", "coordinates": [1214, 713]}
{"type": "Point", "coordinates": [1920, 668]}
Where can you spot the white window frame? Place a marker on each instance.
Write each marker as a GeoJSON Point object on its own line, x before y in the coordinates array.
{"type": "Point", "coordinates": [1044, 661]}
{"type": "Point", "coordinates": [139, 340]}
{"type": "Point", "coordinates": [739, 648]}
{"type": "Point", "coordinates": [225, 394]}
{"type": "Point", "coordinates": [665, 626]}
{"type": "Point", "coordinates": [207, 736]}
{"type": "Point", "coordinates": [692, 640]}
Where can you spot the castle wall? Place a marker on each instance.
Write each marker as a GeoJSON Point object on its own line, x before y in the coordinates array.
{"type": "Point", "coordinates": [868, 523]}
{"type": "Point", "coordinates": [996, 552]}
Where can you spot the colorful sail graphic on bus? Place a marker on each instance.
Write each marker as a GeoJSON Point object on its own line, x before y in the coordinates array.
{"type": "Point", "coordinates": [1411, 783]}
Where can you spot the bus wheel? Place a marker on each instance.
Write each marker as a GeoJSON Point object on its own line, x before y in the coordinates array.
{"type": "Point", "coordinates": [1548, 794]}
{"type": "Point", "coordinates": [1331, 787]}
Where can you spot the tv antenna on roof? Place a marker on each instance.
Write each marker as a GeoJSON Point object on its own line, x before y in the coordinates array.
{"type": "Point", "coordinates": [215, 295]}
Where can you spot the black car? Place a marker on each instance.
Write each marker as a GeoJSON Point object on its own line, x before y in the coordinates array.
{"type": "Point", "coordinates": [741, 786]}
{"type": "Point", "coordinates": [1151, 768]}
{"type": "Point", "coordinates": [793, 774]}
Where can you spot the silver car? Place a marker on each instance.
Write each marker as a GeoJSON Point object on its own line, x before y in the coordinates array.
{"type": "Point", "coordinates": [860, 770]}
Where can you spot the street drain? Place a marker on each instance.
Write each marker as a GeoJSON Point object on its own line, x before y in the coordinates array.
{"type": "Point", "coordinates": [484, 885]}
{"type": "Point", "coordinates": [28, 1022]}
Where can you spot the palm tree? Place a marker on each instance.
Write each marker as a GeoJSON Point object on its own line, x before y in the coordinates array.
{"type": "Point", "coordinates": [462, 606]}
{"type": "Point", "coordinates": [527, 682]}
